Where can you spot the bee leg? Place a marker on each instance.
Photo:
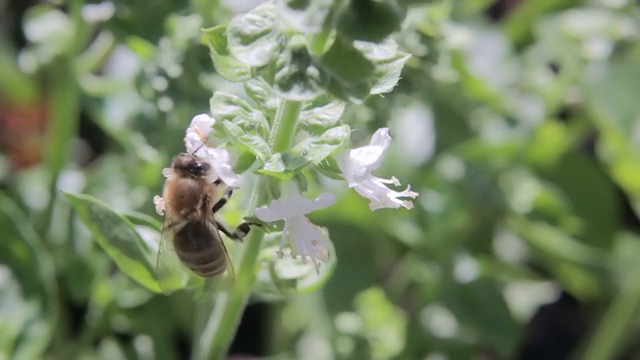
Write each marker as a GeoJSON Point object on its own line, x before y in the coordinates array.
{"type": "Point", "coordinates": [223, 200]}
{"type": "Point", "coordinates": [239, 233]}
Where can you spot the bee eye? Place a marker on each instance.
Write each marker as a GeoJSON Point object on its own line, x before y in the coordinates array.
{"type": "Point", "coordinates": [198, 168]}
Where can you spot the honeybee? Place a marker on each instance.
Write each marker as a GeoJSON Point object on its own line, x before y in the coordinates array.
{"type": "Point", "coordinates": [190, 234]}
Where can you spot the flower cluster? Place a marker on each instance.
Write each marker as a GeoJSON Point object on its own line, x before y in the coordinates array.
{"type": "Point", "coordinates": [306, 240]}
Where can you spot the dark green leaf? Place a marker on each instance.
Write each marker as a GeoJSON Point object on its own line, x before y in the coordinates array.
{"type": "Point", "coordinates": [371, 20]}
{"type": "Point", "coordinates": [297, 77]}
{"type": "Point", "coordinates": [345, 63]}
{"type": "Point", "coordinates": [118, 238]}
{"type": "Point", "coordinates": [478, 303]}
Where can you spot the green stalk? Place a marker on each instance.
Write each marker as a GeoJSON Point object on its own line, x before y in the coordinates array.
{"type": "Point", "coordinates": [614, 327]}
{"type": "Point", "coordinates": [216, 337]}
{"type": "Point", "coordinates": [284, 126]}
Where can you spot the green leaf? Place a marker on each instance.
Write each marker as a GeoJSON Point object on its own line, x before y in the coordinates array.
{"type": "Point", "coordinates": [557, 244]}
{"type": "Point", "coordinates": [305, 16]}
{"type": "Point", "coordinates": [253, 143]}
{"type": "Point", "coordinates": [28, 306]}
{"type": "Point", "coordinates": [225, 64]}
{"type": "Point", "coordinates": [282, 165]}
{"type": "Point", "coordinates": [244, 162]}
{"type": "Point", "coordinates": [316, 149]}
{"type": "Point", "coordinates": [239, 112]}
{"type": "Point", "coordinates": [118, 238]}
{"type": "Point", "coordinates": [478, 303]}
{"type": "Point", "coordinates": [261, 92]}
{"type": "Point", "coordinates": [253, 38]}
{"type": "Point", "coordinates": [329, 168]}
{"type": "Point", "coordinates": [345, 63]}
{"type": "Point", "coordinates": [371, 20]}
{"type": "Point", "coordinates": [321, 113]}
{"type": "Point", "coordinates": [297, 77]}
{"type": "Point", "coordinates": [385, 325]}
{"type": "Point", "coordinates": [388, 62]}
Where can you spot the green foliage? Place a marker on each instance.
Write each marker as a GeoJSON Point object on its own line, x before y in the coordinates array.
{"type": "Point", "coordinates": [517, 122]}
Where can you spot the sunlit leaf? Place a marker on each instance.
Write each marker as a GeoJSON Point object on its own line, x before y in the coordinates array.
{"type": "Point", "coordinates": [238, 112]}
{"type": "Point", "coordinates": [317, 149]}
{"type": "Point", "coordinates": [321, 113]}
{"type": "Point", "coordinates": [118, 238]}
{"type": "Point", "coordinates": [253, 38]}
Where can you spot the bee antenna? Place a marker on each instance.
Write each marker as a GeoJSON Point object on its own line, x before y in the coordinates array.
{"type": "Point", "coordinates": [198, 148]}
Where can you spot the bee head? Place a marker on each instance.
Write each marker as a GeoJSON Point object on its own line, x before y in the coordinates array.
{"type": "Point", "coordinates": [190, 165]}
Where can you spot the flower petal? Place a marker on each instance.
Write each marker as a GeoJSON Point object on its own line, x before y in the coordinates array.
{"type": "Point", "coordinates": [380, 196]}
{"type": "Point", "coordinates": [292, 206]}
{"type": "Point", "coordinates": [363, 160]}
{"type": "Point", "coordinates": [308, 241]}
{"type": "Point", "coordinates": [160, 205]}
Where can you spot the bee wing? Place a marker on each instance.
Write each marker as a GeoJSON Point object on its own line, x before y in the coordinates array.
{"type": "Point", "coordinates": [230, 270]}
{"type": "Point", "coordinates": [171, 274]}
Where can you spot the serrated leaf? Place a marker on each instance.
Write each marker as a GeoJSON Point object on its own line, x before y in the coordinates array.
{"type": "Point", "coordinates": [118, 238]}
{"type": "Point", "coordinates": [388, 62]}
{"type": "Point", "coordinates": [28, 287]}
{"type": "Point", "coordinates": [224, 63]}
{"type": "Point", "coordinates": [239, 112]}
{"type": "Point", "coordinates": [321, 113]}
{"type": "Point", "coordinates": [297, 77]}
{"type": "Point", "coordinates": [316, 149]}
{"type": "Point", "coordinates": [251, 142]}
{"type": "Point", "coordinates": [253, 38]}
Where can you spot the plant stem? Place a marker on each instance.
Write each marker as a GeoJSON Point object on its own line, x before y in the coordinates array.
{"type": "Point", "coordinates": [220, 328]}
{"type": "Point", "coordinates": [284, 126]}
{"type": "Point", "coordinates": [617, 322]}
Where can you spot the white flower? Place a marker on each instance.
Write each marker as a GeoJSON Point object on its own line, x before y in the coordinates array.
{"type": "Point", "coordinates": [195, 141]}
{"type": "Point", "coordinates": [158, 201]}
{"type": "Point", "coordinates": [357, 168]}
{"type": "Point", "coordinates": [305, 238]}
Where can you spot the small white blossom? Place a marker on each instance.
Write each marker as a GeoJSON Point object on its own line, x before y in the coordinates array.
{"type": "Point", "coordinates": [305, 238]}
{"type": "Point", "coordinates": [357, 168]}
{"type": "Point", "coordinates": [158, 201]}
{"type": "Point", "coordinates": [195, 141]}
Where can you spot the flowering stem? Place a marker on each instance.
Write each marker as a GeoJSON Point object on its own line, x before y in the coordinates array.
{"type": "Point", "coordinates": [284, 125]}
{"type": "Point", "coordinates": [218, 332]}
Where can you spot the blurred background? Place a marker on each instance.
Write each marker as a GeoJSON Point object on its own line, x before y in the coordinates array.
{"type": "Point", "coordinates": [517, 121]}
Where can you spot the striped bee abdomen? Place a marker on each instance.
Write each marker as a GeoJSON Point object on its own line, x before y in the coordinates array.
{"type": "Point", "coordinates": [200, 248]}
